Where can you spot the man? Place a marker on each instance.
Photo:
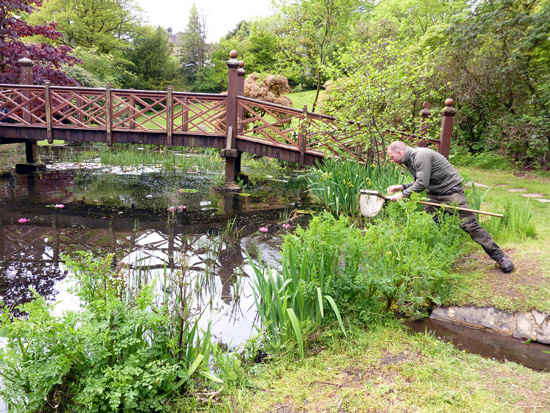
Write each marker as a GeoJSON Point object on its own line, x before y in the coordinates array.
{"type": "Point", "coordinates": [443, 184]}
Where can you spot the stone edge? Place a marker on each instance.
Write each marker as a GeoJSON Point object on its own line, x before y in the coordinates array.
{"type": "Point", "coordinates": [531, 325]}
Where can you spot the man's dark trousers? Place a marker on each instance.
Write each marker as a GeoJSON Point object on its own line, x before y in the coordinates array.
{"type": "Point", "coordinates": [468, 221]}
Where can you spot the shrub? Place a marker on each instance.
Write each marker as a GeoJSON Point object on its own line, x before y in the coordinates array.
{"type": "Point", "coordinates": [121, 352]}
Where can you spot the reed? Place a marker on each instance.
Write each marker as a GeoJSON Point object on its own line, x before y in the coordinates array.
{"type": "Point", "coordinates": [336, 184]}
{"type": "Point", "coordinates": [515, 225]}
{"type": "Point", "coordinates": [289, 312]}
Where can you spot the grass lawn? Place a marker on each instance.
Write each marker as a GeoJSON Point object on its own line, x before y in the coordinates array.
{"type": "Point", "coordinates": [528, 286]}
{"type": "Point", "coordinates": [386, 369]}
{"type": "Point", "coordinates": [299, 99]}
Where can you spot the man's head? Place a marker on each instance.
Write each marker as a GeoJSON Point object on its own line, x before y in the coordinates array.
{"type": "Point", "coordinates": [396, 152]}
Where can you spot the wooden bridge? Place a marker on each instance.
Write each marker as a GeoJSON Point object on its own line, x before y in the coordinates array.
{"type": "Point", "coordinates": [230, 122]}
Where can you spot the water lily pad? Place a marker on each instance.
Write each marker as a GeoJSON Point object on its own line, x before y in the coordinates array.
{"type": "Point", "coordinates": [188, 191]}
{"type": "Point", "coordinates": [243, 194]}
{"type": "Point", "coordinates": [305, 211]}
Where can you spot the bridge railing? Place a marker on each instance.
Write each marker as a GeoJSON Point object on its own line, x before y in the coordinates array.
{"type": "Point", "coordinates": [113, 109]}
{"type": "Point", "coordinates": [309, 132]}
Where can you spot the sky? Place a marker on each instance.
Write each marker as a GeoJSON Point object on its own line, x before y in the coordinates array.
{"type": "Point", "coordinates": [222, 16]}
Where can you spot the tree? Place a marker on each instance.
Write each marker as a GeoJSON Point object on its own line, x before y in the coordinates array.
{"type": "Point", "coordinates": [497, 61]}
{"type": "Point", "coordinates": [105, 25]}
{"type": "Point", "coordinates": [47, 59]}
{"type": "Point", "coordinates": [310, 31]}
{"type": "Point", "coordinates": [378, 85]}
{"type": "Point", "coordinates": [152, 60]}
{"type": "Point", "coordinates": [195, 51]}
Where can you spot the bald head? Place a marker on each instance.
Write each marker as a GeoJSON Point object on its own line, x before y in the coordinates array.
{"type": "Point", "coordinates": [397, 146]}
{"type": "Point", "coordinates": [396, 151]}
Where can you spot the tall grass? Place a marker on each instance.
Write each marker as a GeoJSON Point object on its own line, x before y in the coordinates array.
{"type": "Point", "coordinates": [515, 225]}
{"type": "Point", "coordinates": [288, 312]}
{"type": "Point", "coordinates": [336, 184]}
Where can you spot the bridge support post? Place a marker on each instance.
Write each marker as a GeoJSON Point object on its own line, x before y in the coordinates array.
{"type": "Point", "coordinates": [446, 128]}
{"type": "Point", "coordinates": [31, 147]}
{"type": "Point", "coordinates": [230, 153]}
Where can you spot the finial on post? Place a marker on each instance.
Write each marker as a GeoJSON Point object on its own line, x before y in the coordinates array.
{"type": "Point", "coordinates": [233, 62]}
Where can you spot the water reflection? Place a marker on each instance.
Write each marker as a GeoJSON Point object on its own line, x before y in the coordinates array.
{"type": "Point", "coordinates": [128, 215]}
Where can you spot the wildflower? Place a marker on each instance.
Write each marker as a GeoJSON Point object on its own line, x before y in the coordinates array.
{"type": "Point", "coordinates": [23, 220]}
{"type": "Point", "coordinates": [263, 229]}
{"type": "Point", "coordinates": [59, 206]}
{"type": "Point", "coordinates": [171, 209]}
{"type": "Point", "coordinates": [182, 207]}
{"type": "Point", "coordinates": [286, 225]}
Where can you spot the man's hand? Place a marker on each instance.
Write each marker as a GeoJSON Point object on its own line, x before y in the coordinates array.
{"type": "Point", "coordinates": [395, 188]}
{"type": "Point", "coordinates": [397, 197]}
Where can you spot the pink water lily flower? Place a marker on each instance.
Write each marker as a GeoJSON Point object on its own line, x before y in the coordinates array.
{"type": "Point", "coordinates": [180, 190]}
{"type": "Point", "coordinates": [23, 220]}
{"type": "Point", "coordinates": [263, 229]}
{"type": "Point", "coordinates": [171, 209]}
{"type": "Point", "coordinates": [59, 206]}
{"type": "Point", "coordinates": [182, 207]}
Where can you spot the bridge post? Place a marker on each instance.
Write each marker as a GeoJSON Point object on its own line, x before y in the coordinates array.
{"type": "Point", "coordinates": [425, 113]}
{"type": "Point", "coordinates": [230, 153]}
{"type": "Point", "coordinates": [240, 112]}
{"type": "Point", "coordinates": [31, 147]}
{"type": "Point", "coordinates": [446, 128]}
{"type": "Point", "coordinates": [302, 136]}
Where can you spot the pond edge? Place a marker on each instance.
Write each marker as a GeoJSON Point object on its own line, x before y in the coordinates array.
{"type": "Point", "coordinates": [531, 325]}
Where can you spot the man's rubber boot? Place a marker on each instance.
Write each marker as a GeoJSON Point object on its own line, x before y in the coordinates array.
{"type": "Point", "coordinates": [505, 264]}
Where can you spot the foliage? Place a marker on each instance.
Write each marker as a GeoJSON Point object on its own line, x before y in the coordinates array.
{"type": "Point", "coordinates": [266, 87]}
{"type": "Point", "coordinates": [336, 184]}
{"type": "Point", "coordinates": [496, 58]}
{"type": "Point", "coordinates": [152, 61]}
{"type": "Point", "coordinates": [308, 35]}
{"type": "Point", "coordinates": [103, 25]}
{"type": "Point", "coordinates": [380, 85]}
{"type": "Point", "coordinates": [121, 352]}
{"type": "Point", "coordinates": [515, 225]}
{"type": "Point", "coordinates": [288, 313]}
{"type": "Point", "coordinates": [48, 59]}
{"type": "Point", "coordinates": [194, 52]}
{"type": "Point", "coordinates": [399, 264]}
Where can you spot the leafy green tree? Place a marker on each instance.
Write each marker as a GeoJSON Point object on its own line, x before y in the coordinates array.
{"type": "Point", "coordinates": [152, 60]}
{"type": "Point", "coordinates": [309, 33]}
{"type": "Point", "coordinates": [497, 61]}
{"type": "Point", "coordinates": [105, 25]}
{"type": "Point", "coordinates": [380, 85]}
{"type": "Point", "coordinates": [195, 51]}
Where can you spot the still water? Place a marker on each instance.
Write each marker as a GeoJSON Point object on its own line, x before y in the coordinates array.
{"type": "Point", "coordinates": [126, 212]}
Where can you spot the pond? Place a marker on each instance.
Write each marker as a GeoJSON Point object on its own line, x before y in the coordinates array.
{"type": "Point", "coordinates": [127, 212]}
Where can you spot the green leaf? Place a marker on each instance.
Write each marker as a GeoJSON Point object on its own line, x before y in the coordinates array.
{"type": "Point", "coordinates": [337, 312]}
{"type": "Point", "coordinates": [297, 331]}
{"type": "Point", "coordinates": [195, 364]}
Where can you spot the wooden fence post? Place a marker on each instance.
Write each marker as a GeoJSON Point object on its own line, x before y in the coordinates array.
{"type": "Point", "coordinates": [48, 104]}
{"type": "Point", "coordinates": [108, 114]}
{"type": "Point", "coordinates": [169, 117]}
{"type": "Point", "coordinates": [425, 113]}
{"type": "Point", "coordinates": [446, 128]}
{"type": "Point", "coordinates": [302, 136]}
{"type": "Point", "coordinates": [240, 112]}
{"type": "Point", "coordinates": [26, 78]}
{"type": "Point", "coordinates": [230, 153]}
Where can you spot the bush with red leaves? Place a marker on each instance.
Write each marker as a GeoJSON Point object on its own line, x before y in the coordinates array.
{"type": "Point", "coordinates": [48, 59]}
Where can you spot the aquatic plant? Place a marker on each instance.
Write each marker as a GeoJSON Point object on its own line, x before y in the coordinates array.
{"type": "Point", "coordinates": [336, 183]}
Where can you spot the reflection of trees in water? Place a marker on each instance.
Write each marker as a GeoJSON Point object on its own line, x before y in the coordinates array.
{"type": "Point", "coordinates": [18, 277]}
